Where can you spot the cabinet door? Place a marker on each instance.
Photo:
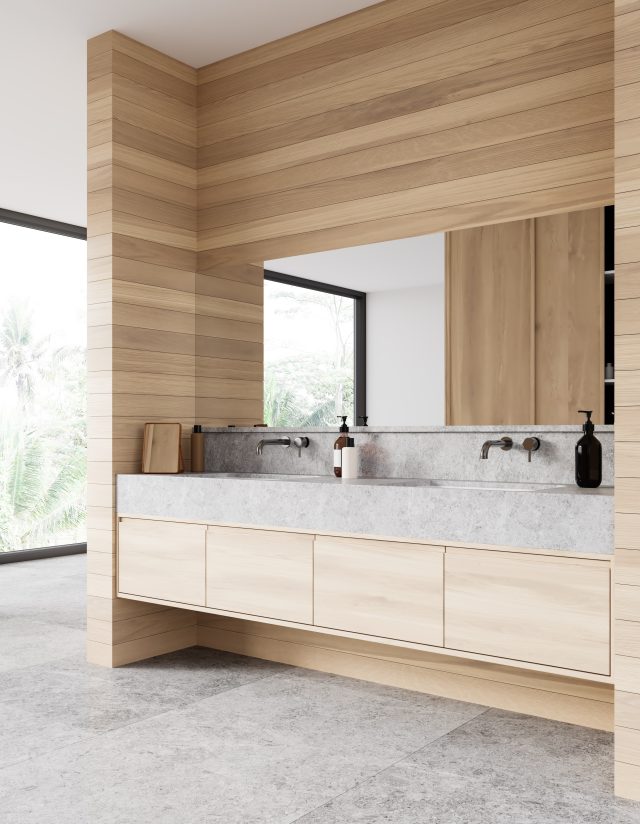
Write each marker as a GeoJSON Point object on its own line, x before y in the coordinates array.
{"type": "Point", "coordinates": [259, 572]}
{"type": "Point", "coordinates": [550, 611]}
{"type": "Point", "coordinates": [160, 559]}
{"type": "Point", "coordinates": [382, 588]}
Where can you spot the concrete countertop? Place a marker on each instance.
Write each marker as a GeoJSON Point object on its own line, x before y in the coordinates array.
{"type": "Point", "coordinates": [529, 516]}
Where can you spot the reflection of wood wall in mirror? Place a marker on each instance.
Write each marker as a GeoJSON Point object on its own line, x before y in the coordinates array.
{"type": "Point", "coordinates": [161, 448]}
{"type": "Point", "coordinates": [525, 338]}
{"type": "Point", "coordinates": [489, 324]}
{"type": "Point", "coordinates": [569, 312]}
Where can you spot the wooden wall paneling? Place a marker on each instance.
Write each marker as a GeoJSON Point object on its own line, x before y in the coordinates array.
{"type": "Point", "coordinates": [142, 259]}
{"type": "Point", "coordinates": [489, 324]}
{"type": "Point", "coordinates": [366, 126]}
{"type": "Point", "coordinates": [229, 345]}
{"type": "Point", "coordinates": [627, 434]}
{"type": "Point", "coordinates": [569, 316]}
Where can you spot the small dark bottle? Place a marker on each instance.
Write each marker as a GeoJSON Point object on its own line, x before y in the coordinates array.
{"type": "Point", "coordinates": [588, 455]}
{"type": "Point", "coordinates": [197, 449]}
{"type": "Point", "coordinates": [342, 440]}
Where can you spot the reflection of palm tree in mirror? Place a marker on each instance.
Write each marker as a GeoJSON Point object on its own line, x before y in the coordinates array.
{"type": "Point", "coordinates": [42, 436]}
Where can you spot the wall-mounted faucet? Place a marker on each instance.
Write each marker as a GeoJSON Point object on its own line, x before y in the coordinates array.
{"type": "Point", "coordinates": [285, 441]}
{"type": "Point", "coordinates": [300, 443]}
{"type": "Point", "coordinates": [504, 443]}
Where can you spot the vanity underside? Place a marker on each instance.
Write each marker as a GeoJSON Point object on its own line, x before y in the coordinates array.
{"type": "Point", "coordinates": [518, 629]}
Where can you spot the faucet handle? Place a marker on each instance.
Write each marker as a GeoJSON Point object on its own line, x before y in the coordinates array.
{"type": "Point", "coordinates": [531, 444]}
{"type": "Point", "coordinates": [301, 442]}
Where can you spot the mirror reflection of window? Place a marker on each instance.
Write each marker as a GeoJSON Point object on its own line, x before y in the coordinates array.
{"type": "Point", "coordinates": [308, 356]}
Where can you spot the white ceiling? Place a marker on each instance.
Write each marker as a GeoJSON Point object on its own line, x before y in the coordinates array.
{"type": "Point", "coordinates": [43, 71]}
{"type": "Point", "coordinates": [375, 267]}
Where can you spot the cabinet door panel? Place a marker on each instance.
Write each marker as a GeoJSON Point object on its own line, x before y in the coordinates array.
{"type": "Point", "coordinates": [382, 588]}
{"type": "Point", "coordinates": [160, 559]}
{"type": "Point", "coordinates": [535, 608]}
{"type": "Point", "coordinates": [262, 573]}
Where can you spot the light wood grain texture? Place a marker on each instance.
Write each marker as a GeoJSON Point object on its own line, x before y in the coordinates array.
{"type": "Point", "coordinates": [628, 746]}
{"type": "Point", "coordinates": [628, 530]}
{"type": "Point", "coordinates": [118, 655]}
{"type": "Point", "coordinates": [627, 632]}
{"type": "Point", "coordinates": [540, 285]}
{"type": "Point", "coordinates": [549, 696]}
{"type": "Point", "coordinates": [379, 588]}
{"type": "Point", "coordinates": [319, 118]}
{"type": "Point", "coordinates": [569, 316]}
{"type": "Point", "coordinates": [142, 232]}
{"type": "Point", "coordinates": [627, 709]}
{"type": "Point", "coordinates": [534, 608]}
{"type": "Point", "coordinates": [489, 324]}
{"type": "Point", "coordinates": [260, 573]}
{"type": "Point", "coordinates": [162, 559]}
{"type": "Point", "coordinates": [627, 781]}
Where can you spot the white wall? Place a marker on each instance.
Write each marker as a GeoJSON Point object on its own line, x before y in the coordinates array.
{"type": "Point", "coordinates": [405, 357]}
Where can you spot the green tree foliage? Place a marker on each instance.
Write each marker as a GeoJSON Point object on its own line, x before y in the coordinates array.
{"type": "Point", "coordinates": [311, 382]}
{"type": "Point", "coordinates": [42, 436]}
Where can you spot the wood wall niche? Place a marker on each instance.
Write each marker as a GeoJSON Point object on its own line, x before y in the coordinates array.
{"type": "Point", "coordinates": [408, 117]}
{"type": "Point", "coordinates": [525, 321]}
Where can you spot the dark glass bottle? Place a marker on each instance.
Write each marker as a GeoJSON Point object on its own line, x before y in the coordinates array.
{"type": "Point", "coordinates": [341, 441]}
{"type": "Point", "coordinates": [588, 456]}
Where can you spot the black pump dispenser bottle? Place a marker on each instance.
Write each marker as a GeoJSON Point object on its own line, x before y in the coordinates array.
{"type": "Point", "coordinates": [588, 455]}
{"type": "Point", "coordinates": [342, 440]}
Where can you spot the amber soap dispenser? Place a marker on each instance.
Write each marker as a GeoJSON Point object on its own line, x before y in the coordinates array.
{"type": "Point", "coordinates": [588, 455]}
{"type": "Point", "coordinates": [341, 441]}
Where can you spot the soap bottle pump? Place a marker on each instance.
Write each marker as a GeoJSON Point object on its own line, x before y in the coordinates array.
{"type": "Point", "coordinates": [588, 455]}
{"type": "Point", "coordinates": [341, 442]}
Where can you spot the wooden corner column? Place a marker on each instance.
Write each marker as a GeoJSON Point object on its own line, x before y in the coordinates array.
{"type": "Point", "coordinates": [141, 314]}
{"type": "Point", "coordinates": [627, 418]}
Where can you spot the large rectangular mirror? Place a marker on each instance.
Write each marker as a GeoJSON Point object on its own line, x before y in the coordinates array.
{"type": "Point", "coordinates": [510, 323]}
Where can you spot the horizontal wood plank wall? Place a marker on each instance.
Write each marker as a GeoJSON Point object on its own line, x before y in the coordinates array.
{"type": "Point", "coordinates": [229, 345]}
{"type": "Point", "coordinates": [627, 432]}
{"type": "Point", "coordinates": [535, 693]}
{"type": "Point", "coordinates": [411, 116]}
{"type": "Point", "coordinates": [142, 260]}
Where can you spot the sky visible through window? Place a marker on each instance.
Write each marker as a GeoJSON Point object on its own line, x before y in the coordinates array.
{"type": "Point", "coordinates": [42, 388]}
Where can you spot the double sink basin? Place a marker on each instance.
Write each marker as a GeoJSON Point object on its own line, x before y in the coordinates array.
{"type": "Point", "coordinates": [444, 484]}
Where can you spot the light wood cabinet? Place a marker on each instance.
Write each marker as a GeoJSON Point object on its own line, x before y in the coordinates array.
{"type": "Point", "coordinates": [535, 608]}
{"type": "Point", "coordinates": [162, 560]}
{"type": "Point", "coordinates": [524, 314]}
{"type": "Point", "coordinates": [259, 572]}
{"type": "Point", "coordinates": [381, 588]}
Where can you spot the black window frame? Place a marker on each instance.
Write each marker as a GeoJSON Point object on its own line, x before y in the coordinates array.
{"type": "Point", "coordinates": [359, 330]}
{"type": "Point", "coordinates": [56, 227]}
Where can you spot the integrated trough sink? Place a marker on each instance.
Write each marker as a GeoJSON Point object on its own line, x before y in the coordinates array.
{"type": "Point", "coordinates": [441, 484]}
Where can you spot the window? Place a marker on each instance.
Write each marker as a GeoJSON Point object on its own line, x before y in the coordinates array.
{"type": "Point", "coordinates": [314, 352]}
{"type": "Point", "coordinates": [42, 383]}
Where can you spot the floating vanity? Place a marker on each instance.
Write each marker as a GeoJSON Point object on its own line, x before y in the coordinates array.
{"type": "Point", "coordinates": [512, 573]}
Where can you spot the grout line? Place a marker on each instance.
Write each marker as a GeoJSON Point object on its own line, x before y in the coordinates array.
{"type": "Point", "coordinates": [93, 737]}
{"type": "Point", "coordinates": [388, 767]}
